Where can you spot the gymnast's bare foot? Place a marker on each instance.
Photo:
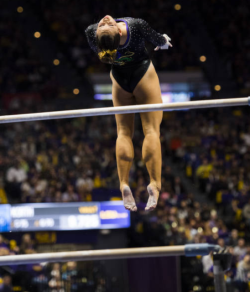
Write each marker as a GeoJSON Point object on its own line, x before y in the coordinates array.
{"type": "Point", "coordinates": [153, 197]}
{"type": "Point", "coordinates": [128, 199]}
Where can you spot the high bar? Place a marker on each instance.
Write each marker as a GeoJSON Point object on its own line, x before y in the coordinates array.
{"type": "Point", "coordinates": [243, 101]}
{"type": "Point", "coordinates": [110, 254]}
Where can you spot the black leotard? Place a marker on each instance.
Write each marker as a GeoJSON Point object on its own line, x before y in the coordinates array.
{"type": "Point", "coordinates": [134, 49]}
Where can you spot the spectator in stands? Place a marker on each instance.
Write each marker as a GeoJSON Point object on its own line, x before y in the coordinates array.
{"type": "Point", "coordinates": [243, 271]}
{"type": "Point", "coordinates": [14, 248]}
{"type": "Point", "coordinates": [183, 210]}
{"type": "Point", "coordinates": [177, 186]}
{"type": "Point", "coordinates": [203, 172]}
{"type": "Point", "coordinates": [71, 275]}
{"type": "Point", "coordinates": [84, 183]}
{"type": "Point", "coordinates": [3, 196]}
{"type": "Point", "coordinates": [6, 285]}
{"type": "Point", "coordinates": [221, 242]}
{"type": "Point", "coordinates": [240, 249]}
{"type": "Point", "coordinates": [15, 175]}
{"type": "Point", "coordinates": [58, 197]}
{"type": "Point", "coordinates": [233, 239]}
{"type": "Point", "coordinates": [69, 195]}
{"type": "Point", "coordinates": [55, 283]}
{"type": "Point", "coordinates": [207, 263]}
{"type": "Point", "coordinates": [246, 212]}
{"type": "Point", "coordinates": [27, 245]}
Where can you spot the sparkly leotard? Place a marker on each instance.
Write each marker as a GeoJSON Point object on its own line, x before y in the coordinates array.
{"type": "Point", "coordinates": [132, 59]}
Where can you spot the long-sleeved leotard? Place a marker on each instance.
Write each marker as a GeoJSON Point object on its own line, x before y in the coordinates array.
{"type": "Point", "coordinates": [134, 49]}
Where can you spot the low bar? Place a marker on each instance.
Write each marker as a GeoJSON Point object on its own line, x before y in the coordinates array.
{"type": "Point", "coordinates": [109, 254]}
{"type": "Point", "coordinates": [125, 110]}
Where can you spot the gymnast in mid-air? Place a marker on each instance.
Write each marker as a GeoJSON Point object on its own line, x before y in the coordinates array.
{"type": "Point", "coordinates": [121, 43]}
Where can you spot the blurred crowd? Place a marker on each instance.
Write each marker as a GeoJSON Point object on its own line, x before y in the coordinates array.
{"type": "Point", "coordinates": [47, 277]}
{"type": "Point", "coordinates": [230, 32]}
{"type": "Point", "coordinates": [22, 68]}
{"type": "Point", "coordinates": [69, 19]}
{"type": "Point", "coordinates": [58, 161]}
{"type": "Point", "coordinates": [214, 150]}
{"type": "Point", "coordinates": [62, 22]}
{"type": "Point", "coordinates": [74, 160]}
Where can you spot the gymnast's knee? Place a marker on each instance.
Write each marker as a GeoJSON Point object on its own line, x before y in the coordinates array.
{"type": "Point", "coordinates": [152, 133]}
{"type": "Point", "coordinates": [125, 132]}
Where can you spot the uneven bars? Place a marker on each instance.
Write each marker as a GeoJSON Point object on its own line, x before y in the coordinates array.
{"type": "Point", "coordinates": [110, 254]}
{"type": "Point", "coordinates": [125, 110]}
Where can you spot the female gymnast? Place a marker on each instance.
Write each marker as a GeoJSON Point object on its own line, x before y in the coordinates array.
{"type": "Point", "coordinates": [121, 42]}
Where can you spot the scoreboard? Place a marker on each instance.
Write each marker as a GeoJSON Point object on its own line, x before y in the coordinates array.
{"type": "Point", "coordinates": [63, 216]}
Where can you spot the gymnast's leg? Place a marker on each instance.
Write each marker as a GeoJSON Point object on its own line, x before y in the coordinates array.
{"type": "Point", "coordinates": [148, 91]}
{"type": "Point", "coordinates": [124, 145]}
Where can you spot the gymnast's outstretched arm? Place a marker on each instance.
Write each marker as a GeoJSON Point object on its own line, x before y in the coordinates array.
{"type": "Point", "coordinates": [155, 38]}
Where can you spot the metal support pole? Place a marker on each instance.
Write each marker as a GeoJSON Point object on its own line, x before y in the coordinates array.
{"type": "Point", "coordinates": [222, 262]}
{"type": "Point", "coordinates": [219, 282]}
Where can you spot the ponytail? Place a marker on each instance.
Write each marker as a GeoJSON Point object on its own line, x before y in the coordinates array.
{"type": "Point", "coordinates": [107, 46]}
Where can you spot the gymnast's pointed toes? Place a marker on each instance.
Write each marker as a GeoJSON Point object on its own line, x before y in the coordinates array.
{"type": "Point", "coordinates": [153, 192]}
{"type": "Point", "coordinates": [150, 208]}
{"type": "Point", "coordinates": [131, 208]}
{"type": "Point", "coordinates": [128, 199]}
{"type": "Point", "coordinates": [134, 208]}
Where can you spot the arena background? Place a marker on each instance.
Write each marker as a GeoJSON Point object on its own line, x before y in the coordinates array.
{"type": "Point", "coordinates": [55, 176]}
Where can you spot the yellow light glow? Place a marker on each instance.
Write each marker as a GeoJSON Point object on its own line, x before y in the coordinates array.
{"type": "Point", "coordinates": [196, 214]}
{"type": "Point", "coordinates": [76, 91]}
{"type": "Point", "coordinates": [174, 224]}
{"type": "Point", "coordinates": [56, 62]}
{"type": "Point", "coordinates": [217, 88]}
{"type": "Point", "coordinates": [203, 58]}
{"type": "Point", "coordinates": [177, 7]}
{"type": "Point", "coordinates": [200, 230]}
{"type": "Point", "coordinates": [20, 9]}
{"type": "Point", "coordinates": [213, 212]}
{"type": "Point", "coordinates": [181, 229]}
{"type": "Point", "coordinates": [37, 34]}
{"type": "Point", "coordinates": [214, 229]}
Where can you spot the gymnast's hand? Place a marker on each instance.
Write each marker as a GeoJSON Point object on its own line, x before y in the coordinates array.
{"type": "Point", "coordinates": [168, 44]}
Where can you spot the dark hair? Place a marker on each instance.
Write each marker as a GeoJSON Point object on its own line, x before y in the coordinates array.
{"type": "Point", "coordinates": [107, 47]}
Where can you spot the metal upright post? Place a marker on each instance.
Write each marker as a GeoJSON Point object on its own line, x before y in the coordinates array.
{"type": "Point", "coordinates": [222, 262]}
{"type": "Point", "coordinates": [219, 282]}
